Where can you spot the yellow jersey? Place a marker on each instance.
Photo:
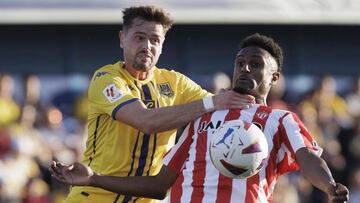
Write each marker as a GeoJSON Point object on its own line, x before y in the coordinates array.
{"type": "Point", "coordinates": [117, 149]}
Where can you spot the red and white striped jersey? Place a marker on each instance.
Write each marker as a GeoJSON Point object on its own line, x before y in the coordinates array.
{"type": "Point", "coordinates": [198, 179]}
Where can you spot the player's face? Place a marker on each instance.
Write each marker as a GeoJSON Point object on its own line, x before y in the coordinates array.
{"type": "Point", "coordinates": [255, 70]}
{"type": "Point", "coordinates": [142, 44]}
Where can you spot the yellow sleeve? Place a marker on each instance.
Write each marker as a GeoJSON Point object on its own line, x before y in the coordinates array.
{"type": "Point", "coordinates": [189, 90]}
{"type": "Point", "coordinates": [108, 93]}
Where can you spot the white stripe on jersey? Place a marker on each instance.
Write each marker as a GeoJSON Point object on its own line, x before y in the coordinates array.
{"type": "Point", "coordinates": [212, 174]}
{"type": "Point", "coordinates": [270, 129]}
{"type": "Point", "coordinates": [238, 191]}
{"type": "Point", "coordinates": [293, 132]}
{"type": "Point", "coordinates": [171, 153]}
{"type": "Point", "coordinates": [189, 167]}
{"type": "Point", "coordinates": [272, 125]}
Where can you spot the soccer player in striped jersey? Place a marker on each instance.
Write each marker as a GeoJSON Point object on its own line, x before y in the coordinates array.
{"type": "Point", "coordinates": [135, 107]}
{"type": "Point", "coordinates": [187, 166]}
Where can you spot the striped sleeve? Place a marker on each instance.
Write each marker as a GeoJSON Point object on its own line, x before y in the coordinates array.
{"type": "Point", "coordinates": [294, 136]}
{"type": "Point", "coordinates": [298, 135]}
{"type": "Point", "coordinates": [176, 157]}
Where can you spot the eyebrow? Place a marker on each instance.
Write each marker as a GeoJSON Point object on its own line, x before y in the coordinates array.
{"type": "Point", "coordinates": [143, 33]}
{"type": "Point", "coordinates": [253, 56]}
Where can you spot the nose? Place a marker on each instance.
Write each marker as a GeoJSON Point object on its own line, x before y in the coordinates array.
{"type": "Point", "coordinates": [146, 44]}
{"type": "Point", "coordinates": [245, 68]}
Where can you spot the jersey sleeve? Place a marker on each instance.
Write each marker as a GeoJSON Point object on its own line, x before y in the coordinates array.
{"type": "Point", "coordinates": [176, 157]}
{"type": "Point", "coordinates": [189, 90]}
{"type": "Point", "coordinates": [108, 93]}
{"type": "Point", "coordinates": [294, 136]}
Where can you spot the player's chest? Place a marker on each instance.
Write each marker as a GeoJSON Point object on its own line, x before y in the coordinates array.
{"type": "Point", "coordinates": [153, 94]}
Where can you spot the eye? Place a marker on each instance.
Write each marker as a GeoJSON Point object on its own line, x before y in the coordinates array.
{"type": "Point", "coordinates": [241, 63]}
{"type": "Point", "coordinates": [155, 41]}
{"type": "Point", "coordinates": [139, 37]}
{"type": "Point", "coordinates": [255, 64]}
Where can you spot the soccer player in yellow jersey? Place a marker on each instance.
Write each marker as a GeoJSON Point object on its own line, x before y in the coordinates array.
{"type": "Point", "coordinates": [135, 107]}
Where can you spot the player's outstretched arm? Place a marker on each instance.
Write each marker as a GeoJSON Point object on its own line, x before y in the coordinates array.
{"type": "Point", "coordinates": [315, 170]}
{"type": "Point", "coordinates": [167, 118]}
{"type": "Point", "coordinates": [79, 174]}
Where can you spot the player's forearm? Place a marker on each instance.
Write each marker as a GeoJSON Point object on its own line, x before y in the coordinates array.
{"type": "Point", "coordinates": [159, 119]}
{"type": "Point", "coordinates": [137, 186]}
{"type": "Point", "coordinates": [315, 170]}
{"type": "Point", "coordinates": [168, 118]}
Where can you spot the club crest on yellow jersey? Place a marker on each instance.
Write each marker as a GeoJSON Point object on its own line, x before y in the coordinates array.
{"type": "Point", "coordinates": [165, 89]}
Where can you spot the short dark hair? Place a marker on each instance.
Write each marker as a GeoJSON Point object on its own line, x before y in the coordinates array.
{"type": "Point", "coordinates": [148, 13]}
{"type": "Point", "coordinates": [266, 43]}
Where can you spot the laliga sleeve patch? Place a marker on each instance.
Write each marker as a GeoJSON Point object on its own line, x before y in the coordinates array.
{"type": "Point", "coordinates": [112, 93]}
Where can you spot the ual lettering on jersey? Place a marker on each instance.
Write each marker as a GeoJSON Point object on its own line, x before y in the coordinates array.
{"type": "Point", "coordinates": [205, 126]}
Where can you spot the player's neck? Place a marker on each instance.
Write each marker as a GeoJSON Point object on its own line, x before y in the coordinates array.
{"type": "Point", "coordinates": [140, 75]}
{"type": "Point", "coordinates": [260, 100]}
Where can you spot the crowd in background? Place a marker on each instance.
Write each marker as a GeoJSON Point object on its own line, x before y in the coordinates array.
{"type": "Point", "coordinates": [32, 132]}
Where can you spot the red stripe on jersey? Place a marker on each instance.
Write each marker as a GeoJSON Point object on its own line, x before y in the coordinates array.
{"type": "Point", "coordinates": [252, 184]}
{"type": "Point", "coordinates": [224, 183]}
{"type": "Point", "coordinates": [271, 166]}
{"type": "Point", "coordinates": [200, 164]}
{"type": "Point", "coordinates": [283, 165]}
{"type": "Point", "coordinates": [247, 125]}
{"type": "Point", "coordinates": [176, 164]}
{"type": "Point", "coordinates": [176, 190]}
{"type": "Point", "coordinates": [252, 188]}
{"type": "Point", "coordinates": [180, 156]}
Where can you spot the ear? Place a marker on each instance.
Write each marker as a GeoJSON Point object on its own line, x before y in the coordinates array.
{"type": "Point", "coordinates": [122, 38]}
{"type": "Point", "coordinates": [275, 77]}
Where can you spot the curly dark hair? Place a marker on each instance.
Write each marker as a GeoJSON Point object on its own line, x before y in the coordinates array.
{"type": "Point", "coordinates": [148, 13]}
{"type": "Point", "coordinates": [266, 43]}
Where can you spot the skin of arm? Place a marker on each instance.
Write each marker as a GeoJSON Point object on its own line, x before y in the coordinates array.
{"type": "Point", "coordinates": [166, 118]}
{"type": "Point", "coordinates": [316, 171]}
{"type": "Point", "coordinates": [154, 187]}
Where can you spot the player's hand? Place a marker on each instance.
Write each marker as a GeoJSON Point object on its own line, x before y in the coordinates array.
{"type": "Point", "coordinates": [338, 193]}
{"type": "Point", "coordinates": [229, 99]}
{"type": "Point", "coordinates": [75, 174]}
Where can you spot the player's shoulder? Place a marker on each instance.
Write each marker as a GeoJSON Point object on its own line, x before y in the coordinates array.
{"type": "Point", "coordinates": [287, 115]}
{"type": "Point", "coordinates": [165, 72]}
{"type": "Point", "coordinates": [107, 73]}
{"type": "Point", "coordinates": [264, 110]}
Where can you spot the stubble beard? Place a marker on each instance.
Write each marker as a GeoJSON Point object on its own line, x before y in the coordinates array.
{"type": "Point", "coordinates": [247, 87]}
{"type": "Point", "coordinates": [144, 67]}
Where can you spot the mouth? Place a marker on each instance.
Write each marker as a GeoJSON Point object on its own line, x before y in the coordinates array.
{"type": "Point", "coordinates": [244, 84]}
{"type": "Point", "coordinates": [144, 54]}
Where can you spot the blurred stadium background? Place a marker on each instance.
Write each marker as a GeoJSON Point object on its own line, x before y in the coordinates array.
{"type": "Point", "coordinates": [50, 48]}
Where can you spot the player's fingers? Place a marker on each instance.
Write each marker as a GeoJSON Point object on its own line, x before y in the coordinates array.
{"type": "Point", "coordinates": [55, 168]}
{"type": "Point", "coordinates": [342, 192]}
{"type": "Point", "coordinates": [71, 167]}
{"type": "Point", "coordinates": [55, 159]}
{"type": "Point", "coordinates": [241, 101]}
{"type": "Point", "coordinates": [244, 96]}
{"type": "Point", "coordinates": [341, 189]}
{"type": "Point", "coordinates": [340, 198]}
{"type": "Point", "coordinates": [57, 176]}
{"type": "Point", "coordinates": [242, 104]}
